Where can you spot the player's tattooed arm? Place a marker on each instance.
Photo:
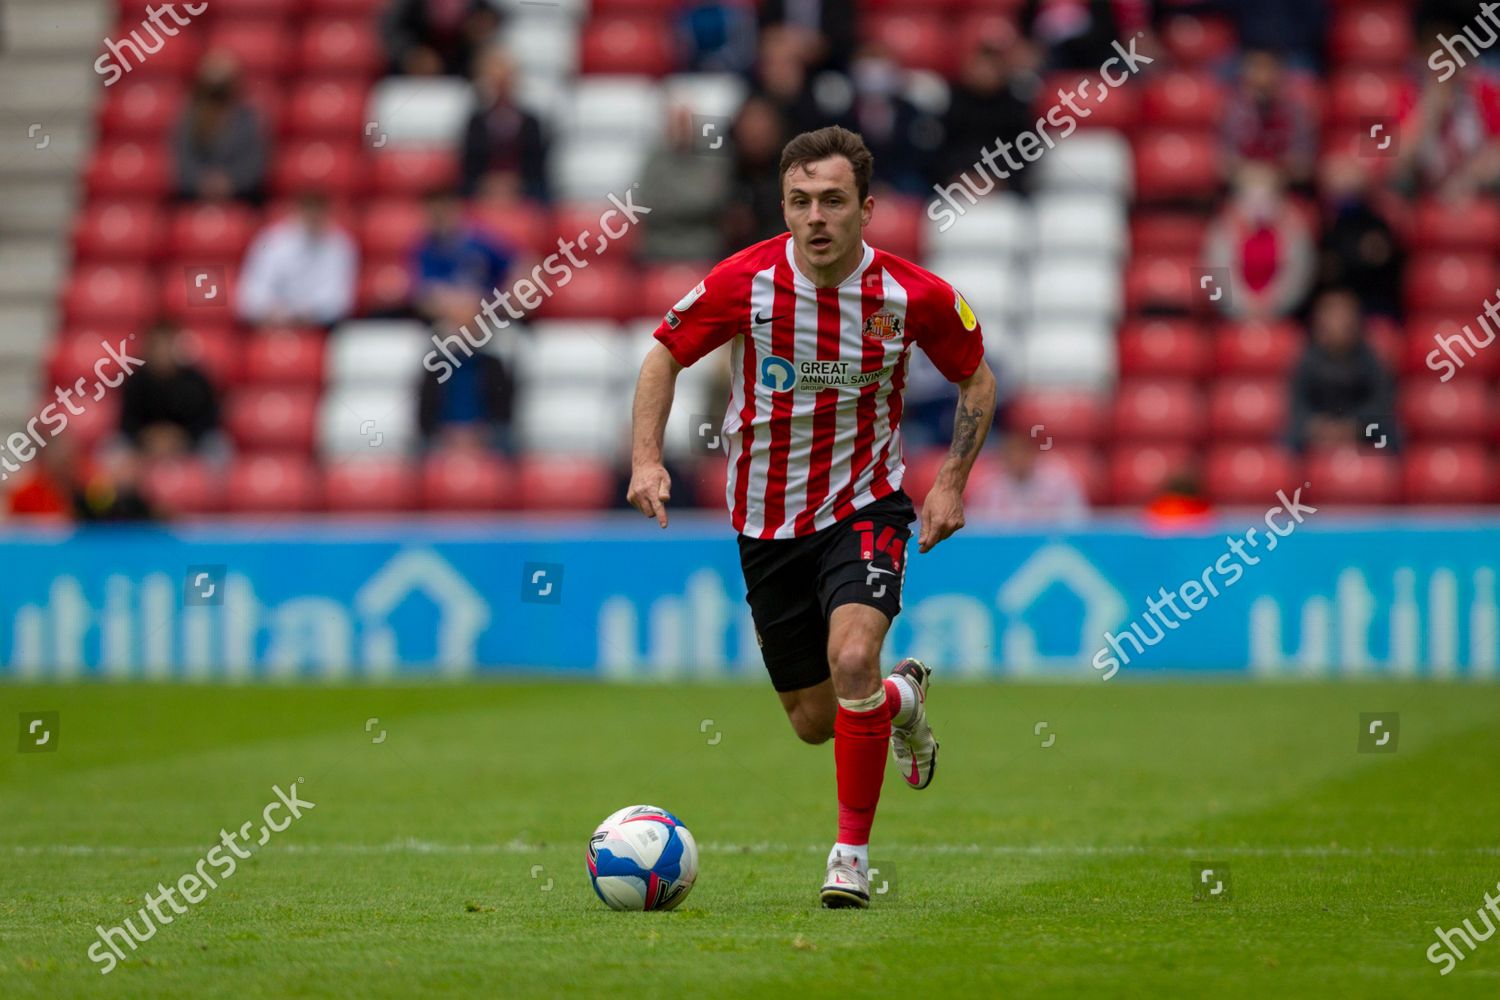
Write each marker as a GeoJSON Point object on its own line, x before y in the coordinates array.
{"type": "Point", "coordinates": [943, 510]}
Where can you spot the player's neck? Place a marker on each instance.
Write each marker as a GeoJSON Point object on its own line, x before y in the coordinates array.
{"type": "Point", "coordinates": [833, 275]}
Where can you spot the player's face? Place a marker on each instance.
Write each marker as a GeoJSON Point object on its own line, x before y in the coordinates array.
{"type": "Point", "coordinates": [822, 208]}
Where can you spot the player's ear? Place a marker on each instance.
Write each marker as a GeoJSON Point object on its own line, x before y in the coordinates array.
{"type": "Point", "coordinates": [866, 210]}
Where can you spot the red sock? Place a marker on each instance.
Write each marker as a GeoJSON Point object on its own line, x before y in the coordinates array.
{"type": "Point", "coordinates": [892, 698]}
{"type": "Point", "coordinates": [860, 742]}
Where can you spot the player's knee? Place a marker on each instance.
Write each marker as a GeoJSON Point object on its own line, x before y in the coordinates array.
{"type": "Point", "coordinates": [812, 728]}
{"type": "Point", "coordinates": [854, 661]}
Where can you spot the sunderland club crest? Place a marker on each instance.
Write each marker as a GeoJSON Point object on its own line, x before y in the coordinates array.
{"type": "Point", "coordinates": [883, 325]}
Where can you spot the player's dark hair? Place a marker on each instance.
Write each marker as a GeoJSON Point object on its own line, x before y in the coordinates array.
{"type": "Point", "coordinates": [835, 140]}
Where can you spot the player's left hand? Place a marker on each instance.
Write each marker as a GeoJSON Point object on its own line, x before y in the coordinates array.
{"type": "Point", "coordinates": [942, 515]}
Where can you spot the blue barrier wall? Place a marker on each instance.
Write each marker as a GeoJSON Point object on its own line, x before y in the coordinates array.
{"type": "Point", "coordinates": [622, 599]}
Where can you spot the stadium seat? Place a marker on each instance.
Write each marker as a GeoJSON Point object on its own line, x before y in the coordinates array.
{"type": "Point", "coordinates": [391, 227]}
{"type": "Point", "coordinates": [384, 286]}
{"type": "Point", "coordinates": [896, 226]}
{"type": "Point", "coordinates": [573, 218]}
{"type": "Point", "coordinates": [284, 357]}
{"type": "Point", "coordinates": [995, 291]}
{"type": "Point", "coordinates": [1348, 476]}
{"type": "Point", "coordinates": [211, 232]}
{"type": "Point", "coordinates": [1088, 465]}
{"type": "Point", "coordinates": [329, 109]}
{"type": "Point", "coordinates": [368, 420]}
{"type": "Point", "coordinates": [385, 352]}
{"type": "Point", "coordinates": [1167, 233]}
{"type": "Point", "coordinates": [213, 348]}
{"type": "Point", "coordinates": [1175, 165]}
{"type": "Point", "coordinates": [270, 484]}
{"type": "Point", "coordinates": [1249, 473]}
{"type": "Point", "coordinates": [574, 421]}
{"type": "Point", "coordinates": [1071, 352]}
{"type": "Point", "coordinates": [996, 226]}
{"type": "Point", "coordinates": [426, 111]}
{"type": "Point", "coordinates": [74, 352]}
{"type": "Point", "coordinates": [144, 109]}
{"type": "Point", "coordinates": [413, 171]}
{"type": "Point", "coordinates": [713, 94]}
{"type": "Point", "coordinates": [582, 168]}
{"type": "Point", "coordinates": [1449, 282]}
{"type": "Point", "coordinates": [118, 231]}
{"type": "Point", "coordinates": [129, 169]}
{"type": "Point", "coordinates": [197, 290]}
{"type": "Point", "coordinates": [663, 285]}
{"type": "Point", "coordinates": [557, 483]}
{"type": "Point", "coordinates": [1254, 409]}
{"type": "Point", "coordinates": [467, 480]}
{"type": "Point", "coordinates": [335, 168]}
{"type": "Point", "coordinates": [1066, 416]}
{"type": "Point", "coordinates": [542, 47]}
{"type": "Point", "coordinates": [1359, 94]}
{"type": "Point", "coordinates": [183, 486]}
{"type": "Point", "coordinates": [122, 294]}
{"type": "Point", "coordinates": [258, 44]}
{"type": "Point", "coordinates": [1198, 41]}
{"type": "Point", "coordinates": [370, 485]}
{"type": "Point", "coordinates": [1256, 348]}
{"type": "Point", "coordinates": [1099, 106]}
{"type": "Point", "coordinates": [1158, 410]}
{"type": "Point", "coordinates": [1459, 409]}
{"type": "Point", "coordinates": [1074, 222]}
{"type": "Point", "coordinates": [338, 47]}
{"type": "Point", "coordinates": [625, 45]}
{"type": "Point", "coordinates": [175, 60]}
{"type": "Point", "coordinates": [1449, 474]}
{"type": "Point", "coordinates": [1137, 471]}
{"type": "Point", "coordinates": [1163, 284]}
{"type": "Point", "coordinates": [1172, 348]}
{"type": "Point", "coordinates": [247, 9]}
{"type": "Point", "coordinates": [572, 353]}
{"type": "Point", "coordinates": [1457, 340]}
{"type": "Point", "coordinates": [916, 38]}
{"type": "Point", "coordinates": [603, 290]}
{"type": "Point", "coordinates": [272, 419]}
{"type": "Point", "coordinates": [1377, 34]}
{"type": "Point", "coordinates": [1075, 287]}
{"type": "Point", "coordinates": [1094, 161]}
{"type": "Point", "coordinates": [1182, 99]}
{"type": "Point", "coordinates": [1467, 225]}
{"type": "Point", "coordinates": [526, 226]}
{"type": "Point", "coordinates": [615, 108]}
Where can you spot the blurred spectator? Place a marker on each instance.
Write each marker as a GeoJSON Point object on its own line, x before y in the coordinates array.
{"type": "Point", "coordinates": [903, 139]}
{"type": "Point", "coordinates": [1078, 34]}
{"type": "Point", "coordinates": [504, 152]}
{"type": "Point", "coordinates": [1180, 503]}
{"type": "Point", "coordinates": [475, 405]}
{"type": "Point", "coordinates": [1450, 138]}
{"type": "Point", "coordinates": [46, 487]}
{"type": "Point", "coordinates": [1295, 29]}
{"type": "Point", "coordinates": [1262, 242]}
{"type": "Point", "coordinates": [300, 269]}
{"type": "Point", "coordinates": [1360, 250]}
{"type": "Point", "coordinates": [1264, 123]}
{"type": "Point", "coordinates": [754, 213]}
{"type": "Point", "coordinates": [1031, 485]}
{"type": "Point", "coordinates": [718, 36]}
{"type": "Point", "coordinates": [455, 259]}
{"type": "Point", "coordinates": [110, 492]}
{"type": "Point", "coordinates": [687, 189]}
{"type": "Point", "coordinates": [437, 37]}
{"type": "Point", "coordinates": [167, 406]}
{"type": "Point", "coordinates": [782, 77]}
{"type": "Point", "coordinates": [991, 100]}
{"type": "Point", "coordinates": [824, 29]}
{"type": "Point", "coordinates": [1340, 387]}
{"type": "Point", "coordinates": [220, 144]}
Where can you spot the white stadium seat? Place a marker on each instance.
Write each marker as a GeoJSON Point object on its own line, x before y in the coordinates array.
{"type": "Point", "coordinates": [421, 111]}
{"type": "Point", "coordinates": [560, 352]}
{"type": "Point", "coordinates": [586, 170]}
{"type": "Point", "coordinates": [714, 94]}
{"type": "Point", "coordinates": [1082, 223]}
{"type": "Point", "coordinates": [1075, 287]}
{"type": "Point", "coordinates": [995, 291]}
{"type": "Point", "coordinates": [385, 351]}
{"type": "Point", "coordinates": [1069, 353]}
{"type": "Point", "coordinates": [1089, 160]}
{"type": "Point", "coordinates": [999, 223]}
{"type": "Point", "coordinates": [541, 43]}
{"type": "Point", "coordinates": [566, 420]}
{"type": "Point", "coordinates": [379, 420]}
{"type": "Point", "coordinates": [604, 108]}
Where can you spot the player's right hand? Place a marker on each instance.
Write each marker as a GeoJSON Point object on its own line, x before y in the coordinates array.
{"type": "Point", "coordinates": [650, 489]}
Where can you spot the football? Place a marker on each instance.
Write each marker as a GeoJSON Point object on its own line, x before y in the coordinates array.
{"type": "Point", "coordinates": [642, 858]}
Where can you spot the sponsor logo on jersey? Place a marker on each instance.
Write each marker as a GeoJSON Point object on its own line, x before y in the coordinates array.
{"type": "Point", "coordinates": [672, 320]}
{"type": "Point", "coordinates": [779, 375]}
{"type": "Point", "coordinates": [684, 303]}
{"type": "Point", "coordinates": [965, 314]}
{"type": "Point", "coordinates": [882, 325]}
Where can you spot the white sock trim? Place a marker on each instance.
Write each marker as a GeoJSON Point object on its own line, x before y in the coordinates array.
{"type": "Point", "coordinates": [908, 701]}
{"type": "Point", "coordinates": [869, 704]}
{"type": "Point", "coordinates": [860, 852]}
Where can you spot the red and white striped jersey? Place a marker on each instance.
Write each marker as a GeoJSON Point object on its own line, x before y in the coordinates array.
{"type": "Point", "coordinates": [817, 377]}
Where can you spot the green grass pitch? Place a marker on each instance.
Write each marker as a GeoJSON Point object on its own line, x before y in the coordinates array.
{"type": "Point", "coordinates": [446, 858]}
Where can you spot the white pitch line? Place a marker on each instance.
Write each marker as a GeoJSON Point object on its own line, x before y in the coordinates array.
{"type": "Point", "coordinates": [1043, 850]}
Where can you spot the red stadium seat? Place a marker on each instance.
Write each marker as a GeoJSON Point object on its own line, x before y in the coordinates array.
{"type": "Point", "coordinates": [367, 10]}
{"type": "Point", "coordinates": [331, 109]}
{"type": "Point", "coordinates": [276, 419]}
{"type": "Point", "coordinates": [214, 349]}
{"type": "Point", "coordinates": [144, 109]}
{"type": "Point", "coordinates": [525, 225]}
{"type": "Point", "coordinates": [603, 290]}
{"type": "Point", "coordinates": [123, 294]}
{"type": "Point", "coordinates": [663, 285]}
{"type": "Point", "coordinates": [370, 485]}
{"type": "Point", "coordinates": [1471, 224]}
{"type": "Point", "coordinates": [1257, 348]}
{"type": "Point", "coordinates": [1448, 474]}
{"type": "Point", "coordinates": [1162, 284]}
{"type": "Point", "coordinates": [1248, 408]}
{"type": "Point", "coordinates": [98, 420]}
{"type": "Point", "coordinates": [1374, 34]}
{"type": "Point", "coordinates": [1183, 99]}
{"type": "Point", "coordinates": [176, 59]}
{"type": "Point", "coordinates": [467, 480]}
{"type": "Point", "coordinates": [273, 484]}
{"type": "Point", "coordinates": [391, 227]}
{"type": "Point", "coordinates": [569, 219]}
{"type": "Point", "coordinates": [1167, 234]}
{"type": "Point", "coordinates": [1464, 343]}
{"type": "Point", "coordinates": [74, 353]}
{"type": "Point", "coordinates": [1355, 95]}
{"type": "Point", "coordinates": [553, 483]}
{"type": "Point", "coordinates": [1350, 477]}
{"type": "Point", "coordinates": [1249, 473]}
{"type": "Point", "coordinates": [258, 44]}
{"type": "Point", "coordinates": [896, 226]}
{"type": "Point", "coordinates": [626, 45]}
{"type": "Point", "coordinates": [212, 232]}
{"type": "Point", "coordinates": [1172, 165]}
{"type": "Point", "coordinates": [1137, 471]}
{"type": "Point", "coordinates": [124, 231]}
{"type": "Point", "coordinates": [245, 9]}
{"type": "Point", "coordinates": [185, 485]}
{"type": "Point", "coordinates": [336, 168]}
{"type": "Point", "coordinates": [916, 38]}
{"type": "Point", "coordinates": [1089, 466]}
{"type": "Point", "coordinates": [1099, 107]}
{"type": "Point", "coordinates": [413, 172]}
{"type": "Point", "coordinates": [129, 169]}
{"type": "Point", "coordinates": [383, 285]}
{"type": "Point", "coordinates": [1198, 41]}
{"type": "Point", "coordinates": [198, 291]}
{"type": "Point", "coordinates": [1068, 416]}
{"type": "Point", "coordinates": [1449, 282]}
{"type": "Point", "coordinates": [1158, 410]}
{"type": "Point", "coordinates": [340, 47]}
{"type": "Point", "coordinates": [1163, 347]}
{"type": "Point", "coordinates": [285, 357]}
{"type": "Point", "coordinates": [1462, 408]}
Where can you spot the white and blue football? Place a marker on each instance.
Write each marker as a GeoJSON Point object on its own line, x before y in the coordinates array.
{"type": "Point", "coordinates": [642, 858]}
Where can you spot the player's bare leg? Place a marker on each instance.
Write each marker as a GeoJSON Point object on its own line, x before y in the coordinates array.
{"type": "Point", "coordinates": [810, 710]}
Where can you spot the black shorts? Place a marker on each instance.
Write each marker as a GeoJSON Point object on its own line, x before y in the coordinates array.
{"type": "Point", "coordinates": [793, 584]}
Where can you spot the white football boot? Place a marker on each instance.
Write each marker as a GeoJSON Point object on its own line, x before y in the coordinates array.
{"type": "Point", "coordinates": [913, 744]}
{"type": "Point", "coordinates": [846, 884]}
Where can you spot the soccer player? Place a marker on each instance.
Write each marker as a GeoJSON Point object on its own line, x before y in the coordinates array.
{"type": "Point", "coordinates": [822, 326]}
